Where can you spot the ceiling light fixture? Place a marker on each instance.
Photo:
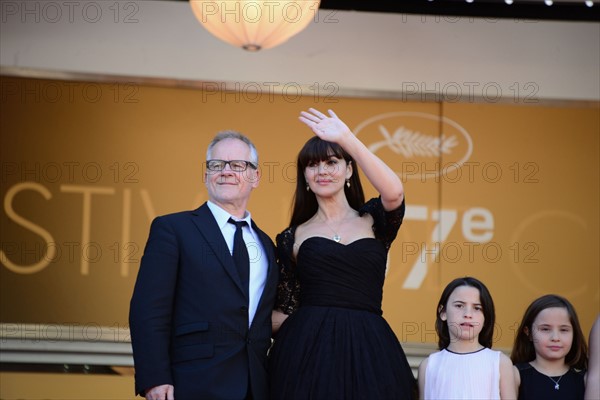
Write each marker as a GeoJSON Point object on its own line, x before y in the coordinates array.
{"type": "Point", "coordinates": [255, 24]}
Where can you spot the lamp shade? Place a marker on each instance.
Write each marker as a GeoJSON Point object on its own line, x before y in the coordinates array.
{"type": "Point", "coordinates": [255, 24]}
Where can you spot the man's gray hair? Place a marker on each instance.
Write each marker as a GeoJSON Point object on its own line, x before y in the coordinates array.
{"type": "Point", "coordinates": [228, 134]}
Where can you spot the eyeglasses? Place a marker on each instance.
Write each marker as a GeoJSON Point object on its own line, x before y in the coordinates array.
{"type": "Point", "coordinates": [235, 165]}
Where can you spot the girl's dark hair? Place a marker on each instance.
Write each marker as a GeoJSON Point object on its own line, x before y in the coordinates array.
{"type": "Point", "coordinates": [524, 350]}
{"type": "Point", "coordinates": [487, 332]}
{"type": "Point", "coordinates": [305, 202]}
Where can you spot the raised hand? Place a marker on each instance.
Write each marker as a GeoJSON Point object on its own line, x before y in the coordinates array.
{"type": "Point", "coordinates": [331, 129]}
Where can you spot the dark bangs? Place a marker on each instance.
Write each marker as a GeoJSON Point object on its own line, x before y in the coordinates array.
{"type": "Point", "coordinates": [305, 203]}
{"type": "Point", "coordinates": [316, 150]}
{"type": "Point", "coordinates": [489, 313]}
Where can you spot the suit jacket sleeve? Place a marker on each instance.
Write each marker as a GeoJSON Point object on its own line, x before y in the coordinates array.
{"type": "Point", "coordinates": [150, 315]}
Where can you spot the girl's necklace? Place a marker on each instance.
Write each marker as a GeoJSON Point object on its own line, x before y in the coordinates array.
{"type": "Point", "coordinates": [556, 385]}
{"type": "Point", "coordinates": [556, 381]}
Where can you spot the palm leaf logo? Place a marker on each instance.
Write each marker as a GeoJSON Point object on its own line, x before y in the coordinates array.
{"type": "Point", "coordinates": [410, 143]}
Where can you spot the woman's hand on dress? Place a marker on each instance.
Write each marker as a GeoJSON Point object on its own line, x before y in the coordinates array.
{"type": "Point", "coordinates": [331, 129]}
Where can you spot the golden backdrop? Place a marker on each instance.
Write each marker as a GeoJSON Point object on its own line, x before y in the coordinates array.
{"type": "Point", "coordinates": [504, 192]}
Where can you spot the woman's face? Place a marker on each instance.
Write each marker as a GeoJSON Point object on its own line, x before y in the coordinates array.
{"type": "Point", "coordinates": [326, 178]}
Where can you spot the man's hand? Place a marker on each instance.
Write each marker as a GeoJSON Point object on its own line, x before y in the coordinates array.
{"type": "Point", "coordinates": [162, 392]}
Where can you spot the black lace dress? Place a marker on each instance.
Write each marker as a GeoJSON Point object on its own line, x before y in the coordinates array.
{"type": "Point", "coordinates": [336, 344]}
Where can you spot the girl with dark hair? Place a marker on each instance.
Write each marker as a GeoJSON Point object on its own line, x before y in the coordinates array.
{"type": "Point", "coordinates": [466, 367]}
{"type": "Point", "coordinates": [335, 343]}
{"type": "Point", "coordinates": [550, 353]}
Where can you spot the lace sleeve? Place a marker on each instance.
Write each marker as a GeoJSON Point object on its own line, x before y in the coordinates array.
{"type": "Point", "coordinates": [385, 223]}
{"type": "Point", "coordinates": [288, 289]}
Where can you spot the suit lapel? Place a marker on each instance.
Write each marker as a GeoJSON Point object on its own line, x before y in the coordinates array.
{"type": "Point", "coordinates": [207, 225]}
{"type": "Point", "coordinates": [272, 269]}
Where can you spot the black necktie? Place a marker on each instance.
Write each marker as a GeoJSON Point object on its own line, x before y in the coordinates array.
{"type": "Point", "coordinates": [240, 252]}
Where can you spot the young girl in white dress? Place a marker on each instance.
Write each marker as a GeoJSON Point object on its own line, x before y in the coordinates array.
{"type": "Point", "coordinates": [466, 367]}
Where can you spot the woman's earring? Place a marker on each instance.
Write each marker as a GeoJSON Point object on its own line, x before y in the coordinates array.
{"type": "Point", "coordinates": [307, 188]}
{"type": "Point", "coordinates": [348, 182]}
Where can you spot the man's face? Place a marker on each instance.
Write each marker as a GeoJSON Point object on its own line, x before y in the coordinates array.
{"type": "Point", "coordinates": [229, 188]}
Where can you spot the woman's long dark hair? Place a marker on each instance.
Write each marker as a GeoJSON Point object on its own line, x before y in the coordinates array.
{"type": "Point", "coordinates": [489, 314]}
{"type": "Point", "coordinates": [305, 202]}
{"type": "Point", "coordinates": [523, 349]}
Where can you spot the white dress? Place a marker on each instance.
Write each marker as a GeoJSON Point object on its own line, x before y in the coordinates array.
{"type": "Point", "coordinates": [463, 376]}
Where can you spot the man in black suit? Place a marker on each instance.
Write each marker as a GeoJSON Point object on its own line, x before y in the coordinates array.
{"type": "Point", "coordinates": [201, 324]}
